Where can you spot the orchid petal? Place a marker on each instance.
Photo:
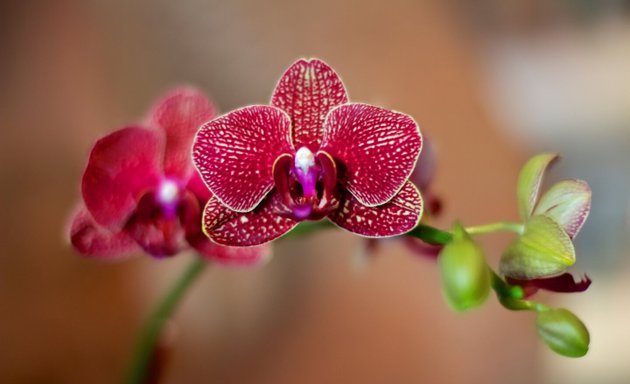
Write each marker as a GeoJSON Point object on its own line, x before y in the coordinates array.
{"type": "Point", "coordinates": [179, 114]}
{"type": "Point", "coordinates": [374, 149]}
{"type": "Point", "coordinates": [160, 233]}
{"type": "Point", "coordinates": [543, 250]}
{"type": "Point", "coordinates": [256, 227]}
{"type": "Point", "coordinates": [237, 256]}
{"type": "Point", "coordinates": [90, 239]}
{"type": "Point", "coordinates": [568, 203]}
{"type": "Point", "coordinates": [400, 215]}
{"type": "Point", "coordinates": [529, 181]}
{"type": "Point", "coordinates": [122, 166]}
{"type": "Point", "coordinates": [235, 154]}
{"type": "Point", "coordinates": [198, 188]}
{"type": "Point", "coordinates": [307, 91]}
{"type": "Point", "coordinates": [231, 256]}
{"type": "Point", "coordinates": [563, 283]}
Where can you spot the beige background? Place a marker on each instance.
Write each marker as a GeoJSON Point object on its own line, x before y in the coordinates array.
{"type": "Point", "coordinates": [73, 70]}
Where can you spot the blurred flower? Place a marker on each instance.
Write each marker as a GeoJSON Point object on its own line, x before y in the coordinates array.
{"type": "Point", "coordinates": [140, 190]}
{"type": "Point", "coordinates": [545, 249]}
{"type": "Point", "coordinates": [308, 156]}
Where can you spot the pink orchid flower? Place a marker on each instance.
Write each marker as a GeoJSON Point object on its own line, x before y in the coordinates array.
{"type": "Point", "coordinates": [140, 190]}
{"type": "Point", "coordinates": [308, 155]}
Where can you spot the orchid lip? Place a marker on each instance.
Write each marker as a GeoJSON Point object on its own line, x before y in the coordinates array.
{"type": "Point", "coordinates": [304, 184]}
{"type": "Point", "coordinates": [306, 171]}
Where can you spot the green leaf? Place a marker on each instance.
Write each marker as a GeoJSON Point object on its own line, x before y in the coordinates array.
{"type": "Point", "coordinates": [544, 249]}
{"type": "Point", "coordinates": [465, 274]}
{"type": "Point", "coordinates": [563, 332]}
{"type": "Point", "coordinates": [568, 203]}
{"type": "Point", "coordinates": [529, 181]}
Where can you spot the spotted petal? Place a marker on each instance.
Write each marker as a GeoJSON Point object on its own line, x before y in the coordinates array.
{"type": "Point", "coordinates": [398, 216]}
{"type": "Point", "coordinates": [122, 166]}
{"type": "Point", "coordinates": [568, 203]}
{"type": "Point", "coordinates": [180, 114]}
{"type": "Point", "coordinates": [191, 219]}
{"type": "Point", "coordinates": [90, 239]}
{"type": "Point", "coordinates": [256, 227]}
{"type": "Point", "coordinates": [307, 91]}
{"type": "Point", "coordinates": [375, 150]}
{"type": "Point", "coordinates": [235, 154]}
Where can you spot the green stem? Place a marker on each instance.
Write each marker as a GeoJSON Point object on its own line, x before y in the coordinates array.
{"type": "Point", "coordinates": [431, 235]}
{"type": "Point", "coordinates": [511, 296]}
{"type": "Point", "coordinates": [152, 330]}
{"type": "Point", "coordinates": [495, 227]}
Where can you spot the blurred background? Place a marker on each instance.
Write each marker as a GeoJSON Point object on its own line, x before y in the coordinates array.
{"type": "Point", "coordinates": [491, 82]}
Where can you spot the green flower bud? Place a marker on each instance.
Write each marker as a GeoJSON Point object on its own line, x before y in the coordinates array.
{"type": "Point", "coordinates": [544, 249]}
{"type": "Point", "coordinates": [465, 274]}
{"type": "Point", "coordinates": [563, 332]}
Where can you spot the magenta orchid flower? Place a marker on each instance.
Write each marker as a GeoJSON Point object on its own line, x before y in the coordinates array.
{"type": "Point", "coordinates": [307, 156]}
{"type": "Point", "coordinates": [140, 190]}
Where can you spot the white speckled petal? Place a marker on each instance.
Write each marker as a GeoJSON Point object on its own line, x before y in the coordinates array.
{"type": "Point", "coordinates": [307, 91]}
{"type": "Point", "coordinates": [375, 150]}
{"type": "Point", "coordinates": [235, 153]}
{"type": "Point", "coordinates": [256, 227]}
{"type": "Point", "coordinates": [400, 215]}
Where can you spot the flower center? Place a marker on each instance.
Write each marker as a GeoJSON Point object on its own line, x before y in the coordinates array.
{"type": "Point", "coordinates": [306, 182]}
{"type": "Point", "coordinates": [168, 192]}
{"type": "Point", "coordinates": [167, 197]}
{"type": "Point", "coordinates": [306, 172]}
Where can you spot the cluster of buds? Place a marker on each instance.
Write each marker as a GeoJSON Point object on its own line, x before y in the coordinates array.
{"type": "Point", "coordinates": [538, 258]}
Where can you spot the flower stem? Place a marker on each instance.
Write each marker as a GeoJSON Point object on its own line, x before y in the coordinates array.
{"type": "Point", "coordinates": [148, 340]}
{"type": "Point", "coordinates": [431, 235]}
{"type": "Point", "coordinates": [511, 296]}
{"type": "Point", "coordinates": [495, 227]}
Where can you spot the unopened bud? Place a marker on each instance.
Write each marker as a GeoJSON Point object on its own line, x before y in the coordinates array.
{"type": "Point", "coordinates": [465, 274]}
{"type": "Point", "coordinates": [563, 332]}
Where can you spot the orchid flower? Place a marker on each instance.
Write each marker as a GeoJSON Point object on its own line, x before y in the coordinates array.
{"type": "Point", "coordinates": [540, 256]}
{"type": "Point", "coordinates": [307, 156]}
{"type": "Point", "coordinates": [140, 190]}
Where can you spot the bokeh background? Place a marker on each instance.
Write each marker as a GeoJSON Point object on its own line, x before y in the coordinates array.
{"type": "Point", "coordinates": [491, 82]}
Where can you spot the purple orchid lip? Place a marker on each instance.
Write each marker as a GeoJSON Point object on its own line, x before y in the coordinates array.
{"type": "Point", "coordinates": [304, 182]}
{"type": "Point", "coordinates": [308, 156]}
